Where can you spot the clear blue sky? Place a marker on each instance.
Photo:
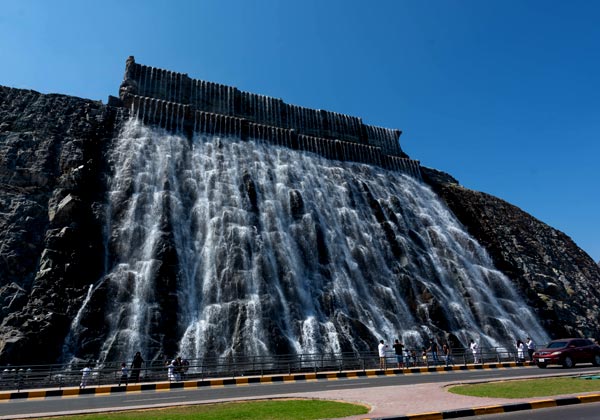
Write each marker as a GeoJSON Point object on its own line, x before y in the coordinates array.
{"type": "Point", "coordinates": [502, 94]}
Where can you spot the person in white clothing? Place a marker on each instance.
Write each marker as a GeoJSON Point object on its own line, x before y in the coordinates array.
{"type": "Point", "coordinates": [381, 348]}
{"type": "Point", "coordinates": [85, 376]}
{"type": "Point", "coordinates": [475, 350]}
{"type": "Point", "coordinates": [124, 374]}
{"type": "Point", "coordinates": [172, 374]}
{"type": "Point", "coordinates": [530, 348]}
{"type": "Point", "coordinates": [520, 351]}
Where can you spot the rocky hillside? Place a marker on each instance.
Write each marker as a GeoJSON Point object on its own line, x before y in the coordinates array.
{"type": "Point", "coordinates": [557, 278]}
{"type": "Point", "coordinates": [52, 195]}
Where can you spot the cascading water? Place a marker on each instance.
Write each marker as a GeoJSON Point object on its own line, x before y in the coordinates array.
{"type": "Point", "coordinates": [221, 246]}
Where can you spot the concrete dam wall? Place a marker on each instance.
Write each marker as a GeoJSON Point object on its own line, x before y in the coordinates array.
{"type": "Point", "coordinates": [176, 102]}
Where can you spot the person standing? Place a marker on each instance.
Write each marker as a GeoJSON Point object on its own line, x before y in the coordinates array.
{"type": "Point", "coordinates": [381, 348]}
{"type": "Point", "coordinates": [530, 348]}
{"type": "Point", "coordinates": [178, 367]}
{"type": "Point", "coordinates": [520, 351]}
{"type": "Point", "coordinates": [185, 366]}
{"type": "Point", "coordinates": [124, 374]}
{"type": "Point", "coordinates": [172, 371]}
{"type": "Point", "coordinates": [136, 367]}
{"type": "Point", "coordinates": [399, 350]}
{"type": "Point", "coordinates": [413, 357]}
{"type": "Point", "coordinates": [85, 375]}
{"type": "Point", "coordinates": [433, 348]}
{"type": "Point", "coordinates": [475, 350]}
{"type": "Point", "coordinates": [447, 354]}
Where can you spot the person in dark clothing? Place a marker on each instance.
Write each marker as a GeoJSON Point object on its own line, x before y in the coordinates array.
{"type": "Point", "coordinates": [399, 350]}
{"type": "Point", "coordinates": [433, 348]}
{"type": "Point", "coordinates": [136, 367]}
{"type": "Point", "coordinates": [185, 366]}
{"type": "Point", "coordinates": [447, 350]}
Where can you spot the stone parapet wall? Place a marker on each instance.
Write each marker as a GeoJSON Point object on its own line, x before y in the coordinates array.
{"type": "Point", "coordinates": [177, 117]}
{"type": "Point", "coordinates": [176, 102]}
{"type": "Point", "coordinates": [175, 87]}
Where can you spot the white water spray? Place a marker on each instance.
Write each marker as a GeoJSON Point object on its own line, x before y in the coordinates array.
{"type": "Point", "coordinates": [279, 250]}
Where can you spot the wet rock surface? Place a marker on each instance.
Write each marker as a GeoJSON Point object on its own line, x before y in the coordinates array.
{"type": "Point", "coordinates": [51, 199]}
{"type": "Point", "coordinates": [53, 177]}
{"type": "Point", "coordinates": [557, 278]}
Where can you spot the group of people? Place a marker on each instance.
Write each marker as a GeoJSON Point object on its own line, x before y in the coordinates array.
{"type": "Point", "coordinates": [136, 367]}
{"type": "Point", "coordinates": [407, 358]}
{"type": "Point", "coordinates": [177, 368]}
{"type": "Point", "coordinates": [522, 347]}
{"type": "Point", "coordinates": [528, 345]}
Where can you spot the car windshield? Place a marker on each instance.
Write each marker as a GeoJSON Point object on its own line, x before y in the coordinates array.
{"type": "Point", "coordinates": [557, 344]}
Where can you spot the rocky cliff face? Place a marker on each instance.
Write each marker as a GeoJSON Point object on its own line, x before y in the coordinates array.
{"type": "Point", "coordinates": [555, 276]}
{"type": "Point", "coordinates": [51, 195]}
{"type": "Point", "coordinates": [53, 152]}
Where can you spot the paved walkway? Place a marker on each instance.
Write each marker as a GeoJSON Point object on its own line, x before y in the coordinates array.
{"type": "Point", "coordinates": [429, 401]}
{"type": "Point", "coordinates": [405, 400]}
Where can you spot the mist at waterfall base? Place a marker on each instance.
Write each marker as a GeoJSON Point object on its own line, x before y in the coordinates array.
{"type": "Point", "coordinates": [218, 247]}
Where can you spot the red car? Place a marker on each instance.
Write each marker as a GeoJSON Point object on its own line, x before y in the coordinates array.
{"type": "Point", "coordinates": [568, 352]}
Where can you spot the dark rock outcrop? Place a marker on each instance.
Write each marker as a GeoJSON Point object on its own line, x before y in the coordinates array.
{"type": "Point", "coordinates": [53, 174]}
{"type": "Point", "coordinates": [557, 278]}
{"type": "Point", "coordinates": [51, 216]}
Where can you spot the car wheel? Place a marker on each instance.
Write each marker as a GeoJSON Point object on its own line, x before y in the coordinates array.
{"type": "Point", "coordinates": [542, 365]}
{"type": "Point", "coordinates": [596, 360]}
{"type": "Point", "coordinates": [568, 362]}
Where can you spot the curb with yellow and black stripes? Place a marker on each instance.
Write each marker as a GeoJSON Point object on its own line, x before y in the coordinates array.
{"type": "Point", "coordinates": [497, 409]}
{"type": "Point", "coordinates": [239, 381]}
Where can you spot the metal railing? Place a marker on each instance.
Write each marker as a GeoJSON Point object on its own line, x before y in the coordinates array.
{"type": "Point", "coordinates": [60, 376]}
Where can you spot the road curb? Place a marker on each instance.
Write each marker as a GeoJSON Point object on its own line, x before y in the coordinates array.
{"type": "Point", "coordinates": [241, 381]}
{"type": "Point", "coordinates": [497, 409]}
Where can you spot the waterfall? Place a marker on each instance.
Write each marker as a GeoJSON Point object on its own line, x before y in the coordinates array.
{"type": "Point", "coordinates": [221, 246]}
{"type": "Point", "coordinates": [70, 344]}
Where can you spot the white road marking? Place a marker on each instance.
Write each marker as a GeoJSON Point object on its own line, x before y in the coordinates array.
{"type": "Point", "coordinates": [158, 398]}
{"type": "Point", "coordinates": [340, 385]}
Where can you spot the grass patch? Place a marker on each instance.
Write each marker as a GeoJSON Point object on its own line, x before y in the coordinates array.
{"type": "Point", "coordinates": [528, 388]}
{"type": "Point", "coordinates": [268, 410]}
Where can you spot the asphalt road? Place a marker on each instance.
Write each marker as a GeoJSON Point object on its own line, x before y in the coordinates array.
{"type": "Point", "coordinates": [589, 411]}
{"type": "Point", "coordinates": [84, 403]}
